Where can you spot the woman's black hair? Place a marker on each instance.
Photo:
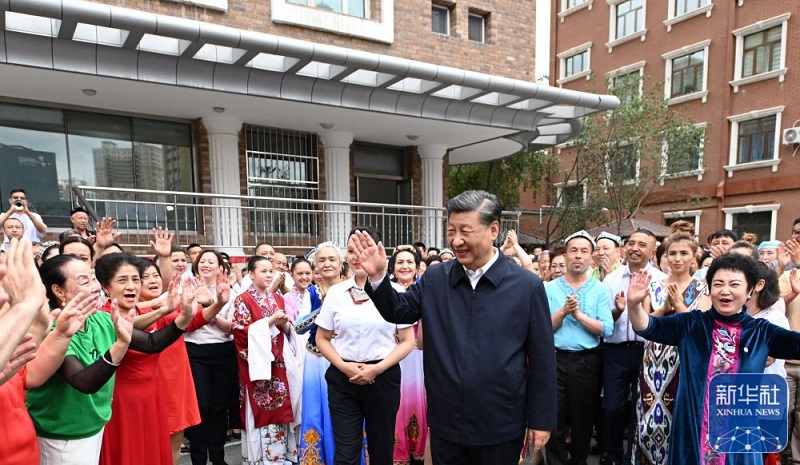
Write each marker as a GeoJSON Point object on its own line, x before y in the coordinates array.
{"type": "Point", "coordinates": [734, 262]}
{"type": "Point", "coordinates": [771, 292]}
{"type": "Point", "coordinates": [372, 232]}
{"type": "Point", "coordinates": [253, 261]}
{"type": "Point", "coordinates": [703, 258]}
{"type": "Point", "coordinates": [397, 251]}
{"type": "Point", "coordinates": [52, 273]}
{"type": "Point", "coordinates": [48, 250]}
{"type": "Point", "coordinates": [148, 264]}
{"type": "Point", "coordinates": [79, 240]}
{"type": "Point", "coordinates": [345, 269]}
{"type": "Point", "coordinates": [433, 259]}
{"type": "Point", "coordinates": [220, 259]}
{"type": "Point", "coordinates": [107, 266]}
{"type": "Point", "coordinates": [299, 260]}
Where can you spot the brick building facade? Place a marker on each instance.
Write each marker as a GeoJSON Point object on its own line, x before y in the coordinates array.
{"type": "Point", "coordinates": [730, 65]}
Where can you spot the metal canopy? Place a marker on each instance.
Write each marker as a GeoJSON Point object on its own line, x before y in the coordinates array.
{"type": "Point", "coordinates": [91, 38]}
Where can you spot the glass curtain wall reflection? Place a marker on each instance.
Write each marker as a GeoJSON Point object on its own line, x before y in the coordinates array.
{"type": "Point", "coordinates": [49, 151]}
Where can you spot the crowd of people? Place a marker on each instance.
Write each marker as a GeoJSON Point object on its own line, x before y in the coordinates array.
{"type": "Point", "coordinates": [349, 354]}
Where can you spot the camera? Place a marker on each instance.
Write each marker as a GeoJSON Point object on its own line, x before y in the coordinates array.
{"type": "Point", "coordinates": [18, 205]}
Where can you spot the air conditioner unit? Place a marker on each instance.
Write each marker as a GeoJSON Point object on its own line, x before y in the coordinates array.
{"type": "Point", "coordinates": [791, 136]}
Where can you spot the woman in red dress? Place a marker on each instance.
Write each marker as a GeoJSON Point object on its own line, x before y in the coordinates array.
{"type": "Point", "coordinates": [138, 432]}
{"type": "Point", "coordinates": [174, 372]}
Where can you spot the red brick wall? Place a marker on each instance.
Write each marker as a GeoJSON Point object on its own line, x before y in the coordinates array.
{"type": "Point", "coordinates": [510, 31]}
{"type": "Point", "coordinates": [716, 190]}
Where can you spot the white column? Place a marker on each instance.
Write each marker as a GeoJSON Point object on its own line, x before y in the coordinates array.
{"type": "Point", "coordinates": [433, 229]}
{"type": "Point", "coordinates": [223, 144]}
{"type": "Point", "coordinates": [337, 184]}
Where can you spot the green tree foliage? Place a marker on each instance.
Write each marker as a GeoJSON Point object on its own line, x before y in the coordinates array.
{"type": "Point", "coordinates": [505, 177]}
{"type": "Point", "coordinates": [623, 158]}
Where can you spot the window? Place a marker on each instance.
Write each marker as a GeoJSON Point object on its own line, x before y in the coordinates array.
{"type": "Point", "coordinates": [684, 156]}
{"type": "Point", "coordinates": [682, 7]}
{"type": "Point", "coordinates": [682, 10]}
{"type": "Point", "coordinates": [569, 7]}
{"type": "Point", "coordinates": [282, 164]}
{"type": "Point", "coordinates": [758, 219]}
{"type": "Point", "coordinates": [477, 27]}
{"type": "Point", "coordinates": [346, 7]}
{"type": "Point", "coordinates": [754, 140]}
{"type": "Point", "coordinates": [692, 216]}
{"type": "Point", "coordinates": [760, 51]}
{"type": "Point", "coordinates": [629, 17]}
{"type": "Point", "coordinates": [626, 82]}
{"type": "Point", "coordinates": [622, 164]}
{"type": "Point", "coordinates": [575, 63]}
{"type": "Point", "coordinates": [39, 154]}
{"type": "Point", "coordinates": [571, 194]}
{"type": "Point", "coordinates": [686, 73]}
{"type": "Point", "coordinates": [440, 19]}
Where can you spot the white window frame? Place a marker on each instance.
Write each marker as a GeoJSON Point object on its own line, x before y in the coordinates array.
{"type": "Point", "coordinates": [564, 11]}
{"type": "Point", "coordinates": [562, 62]}
{"type": "Point", "coordinates": [687, 214]}
{"type": "Point", "coordinates": [628, 69]}
{"type": "Point", "coordinates": [445, 8]}
{"type": "Point", "coordinates": [284, 12]}
{"type": "Point", "coordinates": [221, 5]}
{"type": "Point", "coordinates": [673, 19]}
{"type": "Point", "coordinates": [483, 26]}
{"type": "Point", "coordinates": [670, 56]}
{"type": "Point", "coordinates": [627, 182]}
{"type": "Point", "coordinates": [734, 144]}
{"type": "Point", "coordinates": [759, 26]}
{"type": "Point", "coordinates": [571, 183]}
{"type": "Point", "coordinates": [683, 174]}
{"type": "Point", "coordinates": [612, 26]}
{"type": "Point", "coordinates": [774, 207]}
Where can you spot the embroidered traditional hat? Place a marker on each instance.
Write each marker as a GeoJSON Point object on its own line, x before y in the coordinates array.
{"type": "Point", "coordinates": [582, 234]}
{"type": "Point", "coordinates": [611, 237]}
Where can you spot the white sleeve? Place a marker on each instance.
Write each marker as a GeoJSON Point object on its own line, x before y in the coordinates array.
{"type": "Point", "coordinates": [325, 318]}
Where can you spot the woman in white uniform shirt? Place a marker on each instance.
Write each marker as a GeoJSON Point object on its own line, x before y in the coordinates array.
{"type": "Point", "coordinates": [364, 376]}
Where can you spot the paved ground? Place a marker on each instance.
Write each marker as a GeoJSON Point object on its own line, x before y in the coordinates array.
{"type": "Point", "coordinates": [233, 454]}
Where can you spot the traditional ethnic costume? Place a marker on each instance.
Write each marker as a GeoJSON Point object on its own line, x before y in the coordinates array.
{"type": "Point", "coordinates": [268, 376]}
{"type": "Point", "coordinates": [658, 387]}
{"type": "Point", "coordinates": [710, 344]}
{"type": "Point", "coordinates": [411, 429]}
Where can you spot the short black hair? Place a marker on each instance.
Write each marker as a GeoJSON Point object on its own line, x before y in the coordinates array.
{"type": "Point", "coordinates": [433, 259]}
{"type": "Point", "coordinates": [107, 266]}
{"type": "Point", "coordinates": [79, 240]}
{"type": "Point", "coordinates": [372, 232]}
{"type": "Point", "coordinates": [15, 190]}
{"type": "Point", "coordinates": [433, 249]}
{"type": "Point", "coordinates": [734, 262]}
{"type": "Point", "coordinates": [745, 245]}
{"type": "Point", "coordinates": [723, 233]}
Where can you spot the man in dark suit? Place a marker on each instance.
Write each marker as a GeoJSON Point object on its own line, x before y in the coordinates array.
{"type": "Point", "coordinates": [489, 356]}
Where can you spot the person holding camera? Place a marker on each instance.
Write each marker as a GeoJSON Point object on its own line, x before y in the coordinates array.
{"type": "Point", "coordinates": [31, 222]}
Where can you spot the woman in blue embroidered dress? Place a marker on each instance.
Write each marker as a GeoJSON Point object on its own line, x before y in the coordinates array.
{"type": "Point", "coordinates": [658, 381]}
{"type": "Point", "coordinates": [316, 432]}
{"type": "Point", "coordinates": [725, 339]}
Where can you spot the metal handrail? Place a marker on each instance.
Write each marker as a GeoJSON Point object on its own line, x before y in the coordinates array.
{"type": "Point", "coordinates": [242, 221]}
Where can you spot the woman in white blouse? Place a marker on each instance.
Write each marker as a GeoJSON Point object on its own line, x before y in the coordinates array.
{"type": "Point", "coordinates": [364, 376]}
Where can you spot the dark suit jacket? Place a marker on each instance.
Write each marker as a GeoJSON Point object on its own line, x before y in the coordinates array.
{"type": "Point", "coordinates": [489, 358]}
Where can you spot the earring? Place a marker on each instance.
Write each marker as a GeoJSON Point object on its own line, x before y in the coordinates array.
{"type": "Point", "coordinates": [749, 295]}
{"type": "Point", "coordinates": [63, 303]}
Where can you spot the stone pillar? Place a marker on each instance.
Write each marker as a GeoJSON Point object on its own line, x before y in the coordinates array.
{"type": "Point", "coordinates": [433, 220]}
{"type": "Point", "coordinates": [337, 178]}
{"type": "Point", "coordinates": [223, 142]}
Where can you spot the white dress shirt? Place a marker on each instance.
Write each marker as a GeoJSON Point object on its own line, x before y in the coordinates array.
{"type": "Point", "coordinates": [31, 233]}
{"type": "Point", "coordinates": [475, 276]}
{"type": "Point", "coordinates": [362, 335]}
{"type": "Point", "coordinates": [619, 281]}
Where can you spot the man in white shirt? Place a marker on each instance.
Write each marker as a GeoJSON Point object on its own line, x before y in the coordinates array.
{"type": "Point", "coordinates": [622, 359]}
{"type": "Point", "coordinates": [35, 228]}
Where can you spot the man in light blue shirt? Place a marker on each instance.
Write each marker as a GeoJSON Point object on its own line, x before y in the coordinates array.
{"type": "Point", "coordinates": [580, 310]}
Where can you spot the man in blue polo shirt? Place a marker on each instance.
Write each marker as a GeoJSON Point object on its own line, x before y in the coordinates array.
{"type": "Point", "coordinates": [580, 310]}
